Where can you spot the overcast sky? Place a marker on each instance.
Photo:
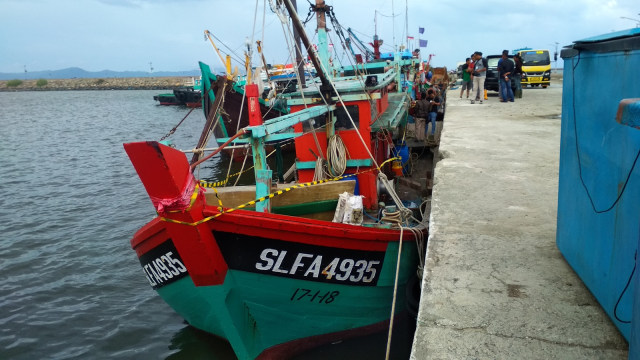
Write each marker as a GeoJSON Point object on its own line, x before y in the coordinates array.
{"type": "Point", "coordinates": [168, 34]}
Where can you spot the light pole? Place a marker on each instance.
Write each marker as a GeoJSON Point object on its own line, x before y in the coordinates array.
{"type": "Point", "coordinates": [555, 55]}
{"type": "Point", "coordinates": [632, 19]}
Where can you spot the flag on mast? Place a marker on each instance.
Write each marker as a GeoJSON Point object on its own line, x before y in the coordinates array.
{"type": "Point", "coordinates": [423, 43]}
{"type": "Point", "coordinates": [421, 30]}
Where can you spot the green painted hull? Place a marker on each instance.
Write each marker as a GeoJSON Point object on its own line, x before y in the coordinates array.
{"type": "Point", "coordinates": [255, 312]}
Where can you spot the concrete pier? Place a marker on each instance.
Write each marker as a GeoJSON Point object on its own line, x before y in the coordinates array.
{"type": "Point", "coordinates": [495, 284]}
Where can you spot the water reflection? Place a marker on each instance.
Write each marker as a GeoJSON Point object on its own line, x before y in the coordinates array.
{"type": "Point", "coordinates": [192, 344]}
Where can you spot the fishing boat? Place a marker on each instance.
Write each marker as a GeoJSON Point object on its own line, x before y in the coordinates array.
{"type": "Point", "coordinates": [189, 95]}
{"type": "Point", "coordinates": [277, 268]}
{"type": "Point", "coordinates": [230, 93]}
{"type": "Point", "coordinates": [166, 99]}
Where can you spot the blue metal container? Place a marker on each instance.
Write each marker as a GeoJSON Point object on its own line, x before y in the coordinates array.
{"type": "Point", "coordinates": [599, 182]}
{"type": "Point", "coordinates": [634, 342]}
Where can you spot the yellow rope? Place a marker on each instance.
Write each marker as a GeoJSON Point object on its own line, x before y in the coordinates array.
{"type": "Point", "coordinates": [279, 192]}
{"type": "Point", "coordinates": [223, 182]}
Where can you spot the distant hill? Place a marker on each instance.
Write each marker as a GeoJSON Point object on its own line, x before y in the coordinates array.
{"type": "Point", "coordinates": [74, 72]}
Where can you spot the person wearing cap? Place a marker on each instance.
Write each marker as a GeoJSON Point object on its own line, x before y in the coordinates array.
{"type": "Point", "coordinates": [479, 75]}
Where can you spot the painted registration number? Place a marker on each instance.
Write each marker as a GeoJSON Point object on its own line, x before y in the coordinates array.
{"type": "Point", "coordinates": [300, 261]}
{"type": "Point", "coordinates": [162, 265]}
{"type": "Point", "coordinates": [531, 79]}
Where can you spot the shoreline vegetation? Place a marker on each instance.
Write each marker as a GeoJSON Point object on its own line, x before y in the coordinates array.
{"type": "Point", "coordinates": [136, 83]}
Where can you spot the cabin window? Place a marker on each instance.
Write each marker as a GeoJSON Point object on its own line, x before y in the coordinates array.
{"type": "Point", "coordinates": [318, 122]}
{"type": "Point", "coordinates": [342, 120]}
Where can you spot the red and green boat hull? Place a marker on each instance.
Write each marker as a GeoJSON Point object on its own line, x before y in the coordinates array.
{"type": "Point", "coordinates": [271, 284]}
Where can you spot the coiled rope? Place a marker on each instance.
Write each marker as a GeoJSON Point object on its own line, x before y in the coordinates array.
{"type": "Point", "coordinates": [336, 156]}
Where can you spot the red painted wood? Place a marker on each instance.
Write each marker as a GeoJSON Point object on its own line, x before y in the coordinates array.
{"type": "Point", "coordinates": [165, 174]}
{"type": "Point", "coordinates": [164, 171]}
{"type": "Point", "coordinates": [255, 115]}
{"type": "Point", "coordinates": [307, 231]}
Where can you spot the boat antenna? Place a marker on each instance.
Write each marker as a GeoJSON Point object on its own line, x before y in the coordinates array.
{"type": "Point", "coordinates": [393, 22]}
{"type": "Point", "coordinates": [406, 21]}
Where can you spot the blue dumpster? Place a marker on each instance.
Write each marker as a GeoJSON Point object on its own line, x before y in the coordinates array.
{"type": "Point", "coordinates": [634, 342]}
{"type": "Point", "coordinates": [599, 180]}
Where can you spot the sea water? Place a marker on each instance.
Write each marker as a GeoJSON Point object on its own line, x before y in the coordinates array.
{"type": "Point", "coordinates": [71, 287]}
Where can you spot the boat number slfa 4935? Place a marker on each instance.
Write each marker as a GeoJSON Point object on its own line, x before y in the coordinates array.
{"type": "Point", "coordinates": [300, 261]}
{"type": "Point", "coordinates": [163, 265]}
{"type": "Point", "coordinates": [310, 265]}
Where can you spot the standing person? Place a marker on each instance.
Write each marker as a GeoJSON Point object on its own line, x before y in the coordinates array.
{"type": "Point", "coordinates": [479, 75]}
{"type": "Point", "coordinates": [470, 70]}
{"type": "Point", "coordinates": [434, 104]}
{"type": "Point", "coordinates": [517, 75]}
{"type": "Point", "coordinates": [421, 113]}
{"type": "Point", "coordinates": [505, 69]}
{"type": "Point", "coordinates": [466, 78]}
{"type": "Point", "coordinates": [499, 82]}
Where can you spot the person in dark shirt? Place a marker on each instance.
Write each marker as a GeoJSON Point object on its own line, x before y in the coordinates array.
{"type": "Point", "coordinates": [505, 69]}
{"type": "Point", "coordinates": [466, 78]}
{"type": "Point", "coordinates": [421, 112]}
{"type": "Point", "coordinates": [517, 76]}
{"type": "Point", "coordinates": [434, 104]}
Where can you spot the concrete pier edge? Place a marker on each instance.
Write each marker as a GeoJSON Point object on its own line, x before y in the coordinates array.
{"type": "Point", "coordinates": [495, 285]}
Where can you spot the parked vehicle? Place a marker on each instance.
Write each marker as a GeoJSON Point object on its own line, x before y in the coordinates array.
{"type": "Point", "coordinates": [536, 65]}
{"type": "Point", "coordinates": [491, 81]}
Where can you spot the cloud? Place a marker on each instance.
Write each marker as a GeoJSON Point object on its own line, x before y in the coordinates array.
{"type": "Point", "coordinates": [128, 34]}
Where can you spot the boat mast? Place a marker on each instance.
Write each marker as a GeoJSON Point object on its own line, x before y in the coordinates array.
{"type": "Point", "coordinates": [298, 46]}
{"type": "Point", "coordinates": [376, 40]}
{"type": "Point", "coordinates": [326, 86]}
{"type": "Point", "coordinates": [323, 44]}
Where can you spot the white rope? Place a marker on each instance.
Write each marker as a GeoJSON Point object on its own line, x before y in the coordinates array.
{"type": "Point", "coordinates": [394, 218]}
{"type": "Point", "coordinates": [318, 173]}
{"type": "Point", "coordinates": [244, 161]}
{"type": "Point", "coordinates": [289, 36]}
{"type": "Point", "coordinates": [233, 151]}
{"type": "Point", "coordinates": [253, 32]}
{"type": "Point", "coordinates": [336, 156]}
{"type": "Point", "coordinates": [364, 144]}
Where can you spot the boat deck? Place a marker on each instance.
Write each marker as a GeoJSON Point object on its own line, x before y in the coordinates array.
{"type": "Point", "coordinates": [394, 114]}
{"type": "Point", "coordinates": [496, 286]}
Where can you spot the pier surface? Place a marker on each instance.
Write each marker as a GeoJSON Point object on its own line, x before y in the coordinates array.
{"type": "Point", "coordinates": [495, 284]}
